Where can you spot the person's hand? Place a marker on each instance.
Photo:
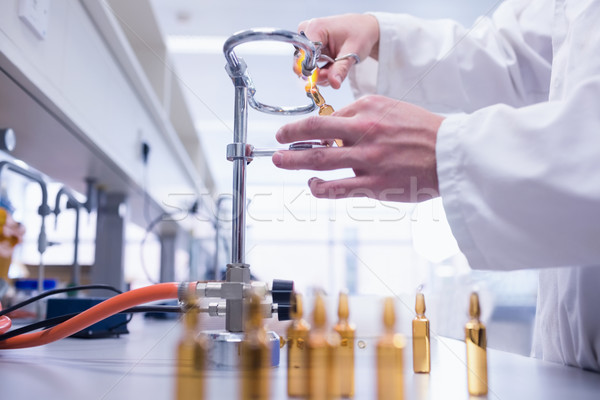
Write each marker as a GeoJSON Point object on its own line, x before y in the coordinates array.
{"type": "Point", "coordinates": [341, 35]}
{"type": "Point", "coordinates": [390, 146]}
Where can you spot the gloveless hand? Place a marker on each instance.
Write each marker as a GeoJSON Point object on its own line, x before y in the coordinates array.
{"type": "Point", "coordinates": [389, 144]}
{"type": "Point", "coordinates": [341, 35]}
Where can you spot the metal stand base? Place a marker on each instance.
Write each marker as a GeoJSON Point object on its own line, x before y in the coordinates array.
{"type": "Point", "coordinates": [224, 348]}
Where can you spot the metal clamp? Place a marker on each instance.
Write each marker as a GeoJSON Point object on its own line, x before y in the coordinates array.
{"type": "Point", "coordinates": [236, 151]}
{"type": "Point", "coordinates": [329, 59]}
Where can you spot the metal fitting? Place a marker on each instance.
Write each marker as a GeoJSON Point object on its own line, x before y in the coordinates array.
{"type": "Point", "coordinates": [236, 151]}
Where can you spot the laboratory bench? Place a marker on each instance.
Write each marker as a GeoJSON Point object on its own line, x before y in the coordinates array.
{"type": "Point", "coordinates": [140, 365]}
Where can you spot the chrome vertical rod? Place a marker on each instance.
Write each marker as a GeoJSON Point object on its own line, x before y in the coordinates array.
{"type": "Point", "coordinates": [239, 177]}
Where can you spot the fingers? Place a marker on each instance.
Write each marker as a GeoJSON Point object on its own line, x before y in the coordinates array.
{"type": "Point", "coordinates": [323, 79]}
{"type": "Point", "coordinates": [331, 32]}
{"type": "Point", "coordinates": [315, 30]}
{"type": "Point", "coordinates": [320, 159]}
{"type": "Point", "coordinates": [341, 188]}
{"type": "Point", "coordinates": [317, 128]}
{"type": "Point", "coordinates": [339, 70]}
{"type": "Point", "coordinates": [302, 26]}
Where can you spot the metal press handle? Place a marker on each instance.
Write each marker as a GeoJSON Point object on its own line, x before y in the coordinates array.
{"type": "Point", "coordinates": [297, 146]}
{"type": "Point", "coordinates": [236, 67]}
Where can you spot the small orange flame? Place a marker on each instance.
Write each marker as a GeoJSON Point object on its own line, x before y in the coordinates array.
{"type": "Point", "coordinates": [311, 80]}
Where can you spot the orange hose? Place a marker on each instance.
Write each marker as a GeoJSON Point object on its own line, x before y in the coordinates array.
{"type": "Point", "coordinates": [5, 323]}
{"type": "Point", "coordinates": [97, 313]}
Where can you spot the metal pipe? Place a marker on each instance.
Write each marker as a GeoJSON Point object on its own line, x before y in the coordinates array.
{"type": "Point", "coordinates": [43, 211]}
{"type": "Point", "coordinates": [263, 152]}
{"type": "Point", "coordinates": [280, 35]}
{"type": "Point", "coordinates": [217, 226]}
{"type": "Point", "coordinates": [33, 176]}
{"type": "Point", "coordinates": [297, 146]}
{"type": "Point", "coordinates": [72, 202]}
{"type": "Point", "coordinates": [237, 66]}
{"type": "Point", "coordinates": [239, 178]}
{"type": "Point", "coordinates": [76, 266]}
{"type": "Point", "coordinates": [238, 272]}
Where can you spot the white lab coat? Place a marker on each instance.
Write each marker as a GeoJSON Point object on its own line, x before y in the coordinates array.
{"type": "Point", "coordinates": [519, 167]}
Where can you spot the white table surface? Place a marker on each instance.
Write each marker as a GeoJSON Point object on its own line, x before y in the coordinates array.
{"type": "Point", "coordinates": [140, 366]}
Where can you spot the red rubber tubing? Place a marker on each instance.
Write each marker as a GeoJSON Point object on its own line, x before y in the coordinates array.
{"type": "Point", "coordinates": [111, 306]}
{"type": "Point", "coordinates": [5, 323]}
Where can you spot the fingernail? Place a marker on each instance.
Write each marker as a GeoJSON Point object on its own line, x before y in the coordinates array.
{"type": "Point", "coordinates": [278, 135]}
{"type": "Point", "coordinates": [338, 78]}
{"type": "Point", "coordinates": [277, 159]}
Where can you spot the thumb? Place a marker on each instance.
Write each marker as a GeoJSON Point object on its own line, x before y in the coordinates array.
{"type": "Point", "coordinates": [338, 72]}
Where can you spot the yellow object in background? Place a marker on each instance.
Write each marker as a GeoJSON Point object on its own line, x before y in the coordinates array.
{"type": "Point", "coordinates": [476, 340]}
{"type": "Point", "coordinates": [297, 341]}
{"type": "Point", "coordinates": [255, 365]}
{"type": "Point", "coordinates": [191, 360]}
{"type": "Point", "coordinates": [390, 353]}
{"type": "Point", "coordinates": [4, 266]}
{"type": "Point", "coordinates": [10, 235]}
{"type": "Point", "coordinates": [323, 365]}
{"type": "Point", "coordinates": [347, 332]}
{"type": "Point", "coordinates": [420, 336]}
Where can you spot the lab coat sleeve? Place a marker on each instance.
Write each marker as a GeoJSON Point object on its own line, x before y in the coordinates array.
{"type": "Point", "coordinates": [446, 67]}
{"type": "Point", "coordinates": [520, 186]}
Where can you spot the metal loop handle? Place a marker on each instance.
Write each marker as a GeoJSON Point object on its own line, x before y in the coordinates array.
{"type": "Point", "coordinates": [277, 110]}
{"type": "Point", "coordinates": [237, 67]}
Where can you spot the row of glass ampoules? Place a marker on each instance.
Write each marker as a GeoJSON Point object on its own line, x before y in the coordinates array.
{"type": "Point", "coordinates": [320, 363]}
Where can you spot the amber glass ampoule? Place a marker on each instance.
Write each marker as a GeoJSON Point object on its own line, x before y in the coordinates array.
{"type": "Point", "coordinates": [323, 366]}
{"type": "Point", "coordinates": [311, 88]}
{"type": "Point", "coordinates": [324, 109]}
{"type": "Point", "coordinates": [255, 351]}
{"type": "Point", "coordinates": [420, 338]}
{"type": "Point", "coordinates": [390, 353]}
{"type": "Point", "coordinates": [347, 332]}
{"type": "Point", "coordinates": [191, 359]}
{"type": "Point", "coordinates": [297, 350]}
{"type": "Point", "coordinates": [476, 341]}
{"type": "Point", "coordinates": [315, 94]}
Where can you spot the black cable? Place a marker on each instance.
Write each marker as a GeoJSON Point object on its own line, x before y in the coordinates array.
{"type": "Point", "coordinates": [149, 229]}
{"type": "Point", "coordinates": [145, 153]}
{"type": "Point", "coordinates": [47, 323]}
{"type": "Point", "coordinates": [51, 322]}
{"type": "Point", "coordinates": [124, 323]}
{"type": "Point", "coordinates": [192, 209]}
{"type": "Point", "coordinates": [140, 309]}
{"type": "Point", "coordinates": [56, 291]}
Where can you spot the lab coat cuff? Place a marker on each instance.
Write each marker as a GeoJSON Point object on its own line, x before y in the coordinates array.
{"type": "Point", "coordinates": [451, 175]}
